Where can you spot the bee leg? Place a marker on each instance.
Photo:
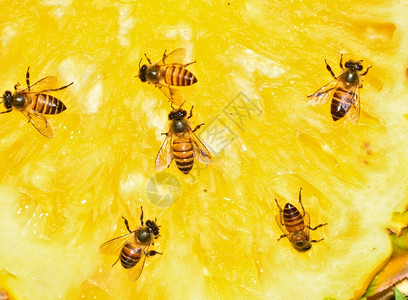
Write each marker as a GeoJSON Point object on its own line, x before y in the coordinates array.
{"type": "Point", "coordinates": [148, 59]}
{"type": "Point", "coordinates": [320, 225]}
{"type": "Point", "coordinates": [141, 216]}
{"type": "Point", "coordinates": [300, 201]}
{"type": "Point", "coordinates": [58, 89]}
{"type": "Point", "coordinates": [152, 253]}
{"type": "Point", "coordinates": [193, 62]}
{"type": "Point", "coordinates": [6, 111]}
{"type": "Point", "coordinates": [280, 208]}
{"type": "Point", "coordinates": [316, 241]}
{"type": "Point", "coordinates": [282, 236]}
{"type": "Point", "coordinates": [164, 55]}
{"type": "Point", "coordinates": [116, 261]}
{"type": "Point", "coordinates": [366, 71]}
{"type": "Point", "coordinates": [191, 112]}
{"type": "Point", "coordinates": [198, 126]}
{"type": "Point", "coordinates": [126, 224]}
{"type": "Point", "coordinates": [28, 78]}
{"type": "Point", "coordinates": [330, 69]}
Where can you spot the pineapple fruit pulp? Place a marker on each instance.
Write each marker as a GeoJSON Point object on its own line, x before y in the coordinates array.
{"type": "Point", "coordinates": [256, 62]}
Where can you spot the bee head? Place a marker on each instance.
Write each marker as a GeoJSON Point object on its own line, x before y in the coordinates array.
{"type": "Point", "coordinates": [177, 114]}
{"type": "Point", "coordinates": [142, 73]}
{"type": "Point", "coordinates": [7, 98]}
{"type": "Point", "coordinates": [354, 65]}
{"type": "Point", "coordinates": [153, 227]}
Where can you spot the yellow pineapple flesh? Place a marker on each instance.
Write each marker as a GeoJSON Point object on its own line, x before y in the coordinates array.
{"type": "Point", "coordinates": [256, 62]}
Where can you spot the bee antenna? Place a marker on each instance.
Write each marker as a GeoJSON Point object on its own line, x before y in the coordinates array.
{"type": "Point", "coordinates": [140, 62]}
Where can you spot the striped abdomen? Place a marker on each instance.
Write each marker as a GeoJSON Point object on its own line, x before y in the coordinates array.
{"type": "Point", "coordinates": [341, 102]}
{"type": "Point", "coordinates": [293, 219]}
{"type": "Point", "coordinates": [183, 154]}
{"type": "Point", "coordinates": [47, 104]}
{"type": "Point", "coordinates": [130, 256]}
{"type": "Point", "coordinates": [178, 76]}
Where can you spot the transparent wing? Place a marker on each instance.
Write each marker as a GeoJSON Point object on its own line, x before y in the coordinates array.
{"type": "Point", "coordinates": [354, 112]}
{"type": "Point", "coordinates": [324, 94]}
{"type": "Point", "coordinates": [43, 85]}
{"type": "Point", "coordinates": [172, 94]}
{"type": "Point", "coordinates": [279, 221]}
{"type": "Point", "coordinates": [175, 57]}
{"type": "Point", "coordinates": [165, 155]}
{"type": "Point", "coordinates": [200, 151]}
{"type": "Point", "coordinates": [114, 246]}
{"type": "Point", "coordinates": [40, 122]}
{"type": "Point", "coordinates": [134, 273]}
{"type": "Point", "coordinates": [306, 219]}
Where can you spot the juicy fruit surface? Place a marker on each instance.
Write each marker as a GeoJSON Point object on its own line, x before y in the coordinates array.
{"type": "Point", "coordinates": [256, 63]}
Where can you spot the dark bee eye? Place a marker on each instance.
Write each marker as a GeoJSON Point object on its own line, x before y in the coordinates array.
{"type": "Point", "coordinates": [142, 73]}
{"type": "Point", "coordinates": [347, 65]}
{"type": "Point", "coordinates": [360, 67]}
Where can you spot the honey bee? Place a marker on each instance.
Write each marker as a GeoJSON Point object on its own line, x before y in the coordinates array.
{"type": "Point", "coordinates": [343, 91]}
{"type": "Point", "coordinates": [35, 104]}
{"type": "Point", "coordinates": [133, 247]}
{"type": "Point", "coordinates": [295, 225]}
{"type": "Point", "coordinates": [181, 144]}
{"type": "Point", "coordinates": [168, 72]}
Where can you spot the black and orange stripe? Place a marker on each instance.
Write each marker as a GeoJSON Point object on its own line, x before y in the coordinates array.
{"type": "Point", "coordinates": [130, 256]}
{"type": "Point", "coordinates": [293, 219]}
{"type": "Point", "coordinates": [341, 103]}
{"type": "Point", "coordinates": [47, 104]}
{"type": "Point", "coordinates": [183, 154]}
{"type": "Point", "coordinates": [179, 76]}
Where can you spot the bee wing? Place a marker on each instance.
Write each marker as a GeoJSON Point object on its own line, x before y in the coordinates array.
{"type": "Point", "coordinates": [134, 273]}
{"type": "Point", "coordinates": [175, 57]}
{"type": "Point", "coordinates": [43, 85]}
{"type": "Point", "coordinates": [172, 94]}
{"type": "Point", "coordinates": [279, 221]}
{"type": "Point", "coordinates": [165, 155]}
{"type": "Point", "coordinates": [200, 151]}
{"type": "Point", "coordinates": [40, 122]}
{"type": "Point", "coordinates": [306, 219]}
{"type": "Point", "coordinates": [324, 94]}
{"type": "Point", "coordinates": [114, 246]}
{"type": "Point", "coordinates": [354, 112]}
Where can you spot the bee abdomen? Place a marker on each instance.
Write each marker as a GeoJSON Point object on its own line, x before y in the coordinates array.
{"type": "Point", "coordinates": [179, 76]}
{"type": "Point", "coordinates": [129, 257]}
{"type": "Point", "coordinates": [293, 219]}
{"type": "Point", "coordinates": [183, 155]}
{"type": "Point", "coordinates": [341, 103]}
{"type": "Point", "coordinates": [47, 104]}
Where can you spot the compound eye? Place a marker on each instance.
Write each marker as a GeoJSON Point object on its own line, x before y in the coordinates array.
{"type": "Point", "coordinates": [360, 67]}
